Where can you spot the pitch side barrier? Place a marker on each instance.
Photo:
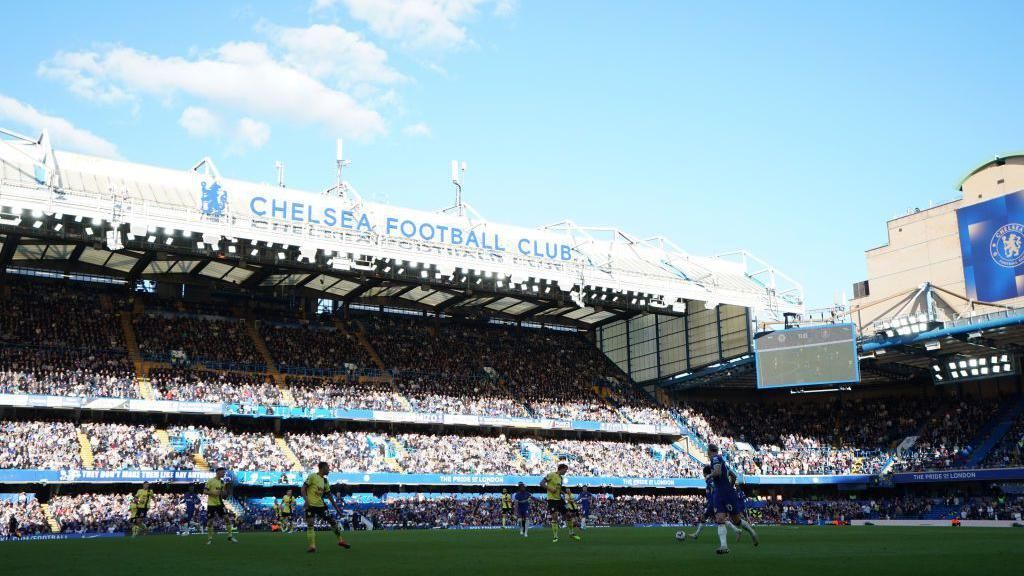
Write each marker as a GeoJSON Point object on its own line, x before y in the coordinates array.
{"type": "Point", "coordinates": [342, 414]}
{"type": "Point", "coordinates": [265, 478]}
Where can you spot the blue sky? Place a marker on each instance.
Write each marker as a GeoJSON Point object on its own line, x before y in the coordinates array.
{"type": "Point", "coordinates": [791, 129]}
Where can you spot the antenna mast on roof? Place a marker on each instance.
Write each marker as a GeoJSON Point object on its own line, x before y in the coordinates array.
{"type": "Point", "coordinates": [458, 177]}
{"type": "Point", "coordinates": [340, 188]}
{"type": "Point", "coordinates": [279, 166]}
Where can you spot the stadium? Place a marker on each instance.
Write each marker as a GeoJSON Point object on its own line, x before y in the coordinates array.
{"type": "Point", "coordinates": [160, 324]}
{"type": "Point", "coordinates": [202, 372]}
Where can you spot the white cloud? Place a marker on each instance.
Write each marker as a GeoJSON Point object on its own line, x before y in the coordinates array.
{"type": "Point", "coordinates": [64, 133]}
{"type": "Point", "coordinates": [239, 76]}
{"type": "Point", "coordinates": [505, 8]}
{"type": "Point", "coordinates": [416, 24]}
{"type": "Point", "coordinates": [79, 71]}
{"type": "Point", "coordinates": [200, 122]}
{"type": "Point", "coordinates": [322, 5]}
{"type": "Point", "coordinates": [417, 129]}
{"type": "Point", "coordinates": [251, 133]}
{"type": "Point", "coordinates": [332, 53]}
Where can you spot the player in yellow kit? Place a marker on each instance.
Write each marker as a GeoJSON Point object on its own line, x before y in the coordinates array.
{"type": "Point", "coordinates": [216, 491]}
{"type": "Point", "coordinates": [506, 506]}
{"type": "Point", "coordinates": [287, 509]}
{"type": "Point", "coordinates": [572, 507]}
{"type": "Point", "coordinates": [316, 491]}
{"type": "Point", "coordinates": [552, 484]}
{"type": "Point", "coordinates": [277, 513]}
{"type": "Point", "coordinates": [141, 502]}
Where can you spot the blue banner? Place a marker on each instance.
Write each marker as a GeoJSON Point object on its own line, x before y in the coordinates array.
{"type": "Point", "coordinates": [992, 247]}
{"type": "Point", "coordinates": [989, 474]}
{"type": "Point", "coordinates": [268, 478]}
{"type": "Point", "coordinates": [83, 536]}
{"type": "Point", "coordinates": [810, 479]}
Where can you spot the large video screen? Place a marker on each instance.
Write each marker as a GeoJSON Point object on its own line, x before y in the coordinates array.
{"type": "Point", "coordinates": [807, 356]}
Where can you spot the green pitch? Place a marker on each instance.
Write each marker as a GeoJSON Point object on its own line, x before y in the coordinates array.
{"type": "Point", "coordinates": [791, 551]}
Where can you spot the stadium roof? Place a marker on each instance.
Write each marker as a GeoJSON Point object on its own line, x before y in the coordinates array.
{"type": "Point", "coordinates": [997, 161]}
{"type": "Point", "coordinates": [72, 213]}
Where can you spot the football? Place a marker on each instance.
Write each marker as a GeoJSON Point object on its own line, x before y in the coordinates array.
{"type": "Point", "coordinates": [681, 535]}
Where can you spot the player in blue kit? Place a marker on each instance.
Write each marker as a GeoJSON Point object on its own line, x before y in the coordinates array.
{"type": "Point", "coordinates": [707, 517]}
{"type": "Point", "coordinates": [522, 500]}
{"type": "Point", "coordinates": [586, 499]}
{"type": "Point", "coordinates": [191, 505]}
{"type": "Point", "coordinates": [741, 500]}
{"type": "Point", "coordinates": [726, 501]}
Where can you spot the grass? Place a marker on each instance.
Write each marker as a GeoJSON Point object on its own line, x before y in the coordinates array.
{"type": "Point", "coordinates": [792, 551]}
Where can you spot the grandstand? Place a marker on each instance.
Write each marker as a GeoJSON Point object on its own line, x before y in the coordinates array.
{"type": "Point", "coordinates": [159, 323]}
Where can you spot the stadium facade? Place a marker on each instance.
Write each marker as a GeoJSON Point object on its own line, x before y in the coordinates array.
{"type": "Point", "coordinates": [954, 247]}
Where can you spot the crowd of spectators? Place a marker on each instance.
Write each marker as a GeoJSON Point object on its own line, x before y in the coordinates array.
{"type": "Point", "coordinates": [235, 450]}
{"type": "Point", "coordinates": [945, 439]}
{"type": "Point", "coordinates": [39, 444]}
{"type": "Point", "coordinates": [26, 512]}
{"type": "Point", "coordinates": [458, 395]}
{"type": "Point", "coordinates": [66, 372]}
{"type": "Point", "coordinates": [194, 385]}
{"type": "Point", "coordinates": [50, 314]}
{"type": "Point", "coordinates": [97, 513]}
{"type": "Point", "coordinates": [205, 340]}
{"type": "Point", "coordinates": [448, 453]}
{"type": "Point", "coordinates": [552, 374]}
{"type": "Point", "coordinates": [839, 436]}
{"type": "Point", "coordinates": [312, 349]}
{"type": "Point", "coordinates": [345, 451]}
{"type": "Point", "coordinates": [128, 447]}
{"type": "Point", "coordinates": [350, 391]}
{"type": "Point", "coordinates": [1009, 452]}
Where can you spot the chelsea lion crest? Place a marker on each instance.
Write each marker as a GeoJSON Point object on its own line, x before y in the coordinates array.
{"type": "Point", "coordinates": [1007, 245]}
{"type": "Point", "coordinates": [213, 200]}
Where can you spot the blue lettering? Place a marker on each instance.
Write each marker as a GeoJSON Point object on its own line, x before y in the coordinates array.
{"type": "Point", "coordinates": [278, 210]}
{"type": "Point", "coordinates": [364, 223]}
{"type": "Point", "coordinates": [347, 219]}
{"type": "Point", "coordinates": [536, 250]}
{"type": "Point", "coordinates": [566, 252]}
{"type": "Point", "coordinates": [523, 243]}
{"type": "Point", "coordinates": [297, 211]}
{"type": "Point", "coordinates": [550, 250]}
{"type": "Point", "coordinates": [497, 243]}
{"type": "Point", "coordinates": [411, 227]}
{"type": "Point", "coordinates": [441, 229]}
{"type": "Point", "coordinates": [252, 205]}
{"type": "Point", "coordinates": [311, 216]}
{"type": "Point", "coordinates": [330, 217]}
{"type": "Point", "coordinates": [424, 228]}
{"type": "Point", "coordinates": [471, 239]}
{"type": "Point", "coordinates": [390, 225]}
{"type": "Point", "coordinates": [483, 238]}
{"type": "Point", "coordinates": [456, 235]}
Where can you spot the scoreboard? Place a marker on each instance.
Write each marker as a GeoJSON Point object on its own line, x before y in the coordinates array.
{"type": "Point", "coordinates": [807, 356]}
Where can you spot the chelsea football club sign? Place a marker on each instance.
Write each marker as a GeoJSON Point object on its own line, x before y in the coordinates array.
{"type": "Point", "coordinates": [1006, 246]}
{"type": "Point", "coordinates": [302, 209]}
{"type": "Point", "coordinates": [992, 246]}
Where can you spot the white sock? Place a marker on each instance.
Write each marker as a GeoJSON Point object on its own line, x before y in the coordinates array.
{"type": "Point", "coordinates": [746, 526]}
{"type": "Point", "coordinates": [732, 527]}
{"type": "Point", "coordinates": [698, 531]}
{"type": "Point", "coordinates": [723, 538]}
